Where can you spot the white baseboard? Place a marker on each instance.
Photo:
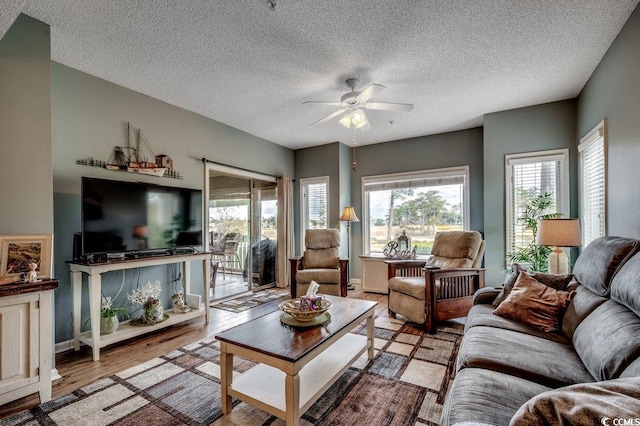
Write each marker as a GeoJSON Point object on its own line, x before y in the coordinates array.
{"type": "Point", "coordinates": [55, 375]}
{"type": "Point", "coordinates": [64, 346]}
{"type": "Point", "coordinates": [355, 281]}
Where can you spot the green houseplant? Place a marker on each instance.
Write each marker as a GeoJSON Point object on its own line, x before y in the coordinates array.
{"type": "Point", "coordinates": [533, 254]}
{"type": "Point", "coordinates": [109, 320]}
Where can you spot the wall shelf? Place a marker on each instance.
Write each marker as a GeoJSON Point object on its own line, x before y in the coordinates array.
{"type": "Point", "coordinates": [90, 162]}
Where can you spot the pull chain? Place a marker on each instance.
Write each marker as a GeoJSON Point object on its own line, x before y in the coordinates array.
{"type": "Point", "coordinates": [354, 165]}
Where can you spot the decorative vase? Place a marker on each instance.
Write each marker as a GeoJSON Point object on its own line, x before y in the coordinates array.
{"type": "Point", "coordinates": [152, 311]}
{"type": "Point", "coordinates": [109, 324]}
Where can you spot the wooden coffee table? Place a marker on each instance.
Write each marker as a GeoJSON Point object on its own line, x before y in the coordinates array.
{"type": "Point", "coordinates": [296, 365]}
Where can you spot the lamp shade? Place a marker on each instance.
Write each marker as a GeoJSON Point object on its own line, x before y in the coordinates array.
{"type": "Point", "coordinates": [140, 231]}
{"type": "Point", "coordinates": [349, 215]}
{"type": "Point", "coordinates": [559, 233]}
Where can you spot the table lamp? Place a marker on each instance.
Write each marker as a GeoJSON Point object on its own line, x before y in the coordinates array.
{"type": "Point", "coordinates": [349, 215]}
{"type": "Point", "coordinates": [558, 233]}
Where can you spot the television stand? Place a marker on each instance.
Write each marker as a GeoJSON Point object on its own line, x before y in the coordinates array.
{"type": "Point", "coordinates": [126, 331]}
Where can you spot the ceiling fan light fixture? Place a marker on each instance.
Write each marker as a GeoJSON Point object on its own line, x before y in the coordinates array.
{"type": "Point", "coordinates": [346, 120]}
{"type": "Point", "coordinates": [355, 117]}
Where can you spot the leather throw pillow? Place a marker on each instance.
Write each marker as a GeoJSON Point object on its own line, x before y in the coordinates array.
{"type": "Point", "coordinates": [534, 304]}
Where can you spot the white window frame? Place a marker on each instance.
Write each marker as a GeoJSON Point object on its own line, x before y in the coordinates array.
{"type": "Point", "coordinates": [563, 203]}
{"type": "Point", "coordinates": [304, 183]}
{"type": "Point", "coordinates": [593, 143]}
{"type": "Point", "coordinates": [417, 175]}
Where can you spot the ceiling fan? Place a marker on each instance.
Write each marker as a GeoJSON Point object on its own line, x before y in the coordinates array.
{"type": "Point", "coordinates": [352, 104]}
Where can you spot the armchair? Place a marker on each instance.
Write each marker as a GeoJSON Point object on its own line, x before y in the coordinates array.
{"type": "Point", "coordinates": [441, 287]}
{"type": "Point", "coordinates": [321, 263]}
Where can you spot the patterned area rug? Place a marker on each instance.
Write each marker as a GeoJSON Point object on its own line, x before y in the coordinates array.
{"type": "Point", "coordinates": [243, 303]}
{"type": "Point", "coordinates": [404, 385]}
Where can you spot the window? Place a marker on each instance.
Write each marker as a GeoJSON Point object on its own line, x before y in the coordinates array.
{"type": "Point", "coordinates": [593, 188]}
{"type": "Point", "coordinates": [314, 203]}
{"type": "Point", "coordinates": [419, 203]}
{"type": "Point", "coordinates": [529, 175]}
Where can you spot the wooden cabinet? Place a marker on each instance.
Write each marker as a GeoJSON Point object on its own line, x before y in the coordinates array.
{"type": "Point", "coordinates": [26, 347]}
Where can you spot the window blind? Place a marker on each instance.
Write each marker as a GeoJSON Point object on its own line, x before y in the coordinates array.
{"type": "Point", "coordinates": [314, 202]}
{"type": "Point", "coordinates": [529, 175]}
{"type": "Point", "coordinates": [593, 185]}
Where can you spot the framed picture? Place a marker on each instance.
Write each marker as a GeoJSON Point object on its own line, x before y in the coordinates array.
{"type": "Point", "coordinates": [18, 251]}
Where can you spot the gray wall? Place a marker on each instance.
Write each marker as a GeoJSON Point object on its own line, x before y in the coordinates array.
{"type": "Point", "coordinates": [89, 118]}
{"type": "Point", "coordinates": [463, 148]}
{"type": "Point", "coordinates": [26, 201]}
{"type": "Point", "coordinates": [613, 92]}
{"type": "Point", "coordinates": [322, 160]}
{"type": "Point", "coordinates": [537, 128]}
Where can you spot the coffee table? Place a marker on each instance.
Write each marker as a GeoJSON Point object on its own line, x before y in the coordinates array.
{"type": "Point", "coordinates": [296, 365]}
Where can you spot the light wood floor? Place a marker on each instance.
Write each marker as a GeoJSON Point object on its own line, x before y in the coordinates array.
{"type": "Point", "coordinates": [78, 368]}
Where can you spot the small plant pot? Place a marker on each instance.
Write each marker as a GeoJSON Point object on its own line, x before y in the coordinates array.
{"type": "Point", "coordinates": [109, 325]}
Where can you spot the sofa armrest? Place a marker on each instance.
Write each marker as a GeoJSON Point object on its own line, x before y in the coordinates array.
{"type": "Point", "coordinates": [486, 295]}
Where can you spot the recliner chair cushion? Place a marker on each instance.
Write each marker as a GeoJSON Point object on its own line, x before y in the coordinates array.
{"type": "Point", "coordinates": [321, 258]}
{"type": "Point", "coordinates": [455, 249]}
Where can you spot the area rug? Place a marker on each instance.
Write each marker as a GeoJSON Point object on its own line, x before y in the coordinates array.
{"type": "Point", "coordinates": [404, 385]}
{"type": "Point", "coordinates": [243, 303]}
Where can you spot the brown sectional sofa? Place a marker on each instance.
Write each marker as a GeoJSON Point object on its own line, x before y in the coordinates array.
{"type": "Point", "coordinates": [509, 373]}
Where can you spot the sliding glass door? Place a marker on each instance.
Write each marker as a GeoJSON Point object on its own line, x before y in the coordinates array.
{"type": "Point", "coordinates": [242, 214]}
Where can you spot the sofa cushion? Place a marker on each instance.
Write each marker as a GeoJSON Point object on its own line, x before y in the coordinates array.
{"type": "Point", "coordinates": [532, 358]}
{"type": "Point", "coordinates": [600, 261]}
{"type": "Point", "coordinates": [484, 396]}
{"type": "Point", "coordinates": [582, 404]}
{"type": "Point", "coordinates": [532, 303]}
{"type": "Point", "coordinates": [633, 370]}
{"type": "Point", "coordinates": [583, 302]}
{"type": "Point", "coordinates": [559, 282]}
{"type": "Point", "coordinates": [608, 340]}
{"type": "Point", "coordinates": [625, 287]}
{"type": "Point", "coordinates": [482, 315]}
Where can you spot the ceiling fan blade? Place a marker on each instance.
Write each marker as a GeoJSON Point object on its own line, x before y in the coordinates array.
{"type": "Point", "coordinates": [370, 92]}
{"type": "Point", "coordinates": [322, 103]}
{"type": "Point", "coordinates": [389, 106]}
{"type": "Point", "coordinates": [329, 117]}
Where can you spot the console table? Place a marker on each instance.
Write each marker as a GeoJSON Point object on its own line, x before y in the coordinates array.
{"type": "Point", "coordinates": [126, 331]}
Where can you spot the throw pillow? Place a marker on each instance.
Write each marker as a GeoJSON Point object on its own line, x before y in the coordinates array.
{"type": "Point", "coordinates": [558, 282]}
{"type": "Point", "coordinates": [508, 284]}
{"type": "Point", "coordinates": [535, 304]}
{"type": "Point", "coordinates": [582, 404]}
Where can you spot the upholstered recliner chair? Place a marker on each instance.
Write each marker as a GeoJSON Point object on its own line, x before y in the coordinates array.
{"type": "Point", "coordinates": [321, 263]}
{"type": "Point", "coordinates": [441, 287]}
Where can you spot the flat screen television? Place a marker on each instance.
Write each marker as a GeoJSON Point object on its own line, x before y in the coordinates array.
{"type": "Point", "coordinates": [121, 217]}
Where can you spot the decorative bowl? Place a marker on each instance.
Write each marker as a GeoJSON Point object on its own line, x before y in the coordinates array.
{"type": "Point", "coordinates": [292, 307]}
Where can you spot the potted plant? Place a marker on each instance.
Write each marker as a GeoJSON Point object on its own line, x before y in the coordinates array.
{"type": "Point", "coordinates": [533, 254]}
{"type": "Point", "coordinates": [109, 317]}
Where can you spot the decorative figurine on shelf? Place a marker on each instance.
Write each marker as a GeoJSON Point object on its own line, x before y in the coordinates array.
{"type": "Point", "coordinates": [179, 307]}
{"type": "Point", "coordinates": [149, 298]}
{"type": "Point", "coordinates": [32, 275]}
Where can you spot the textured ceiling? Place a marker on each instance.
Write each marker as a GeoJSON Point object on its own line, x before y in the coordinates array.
{"type": "Point", "coordinates": [244, 65]}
